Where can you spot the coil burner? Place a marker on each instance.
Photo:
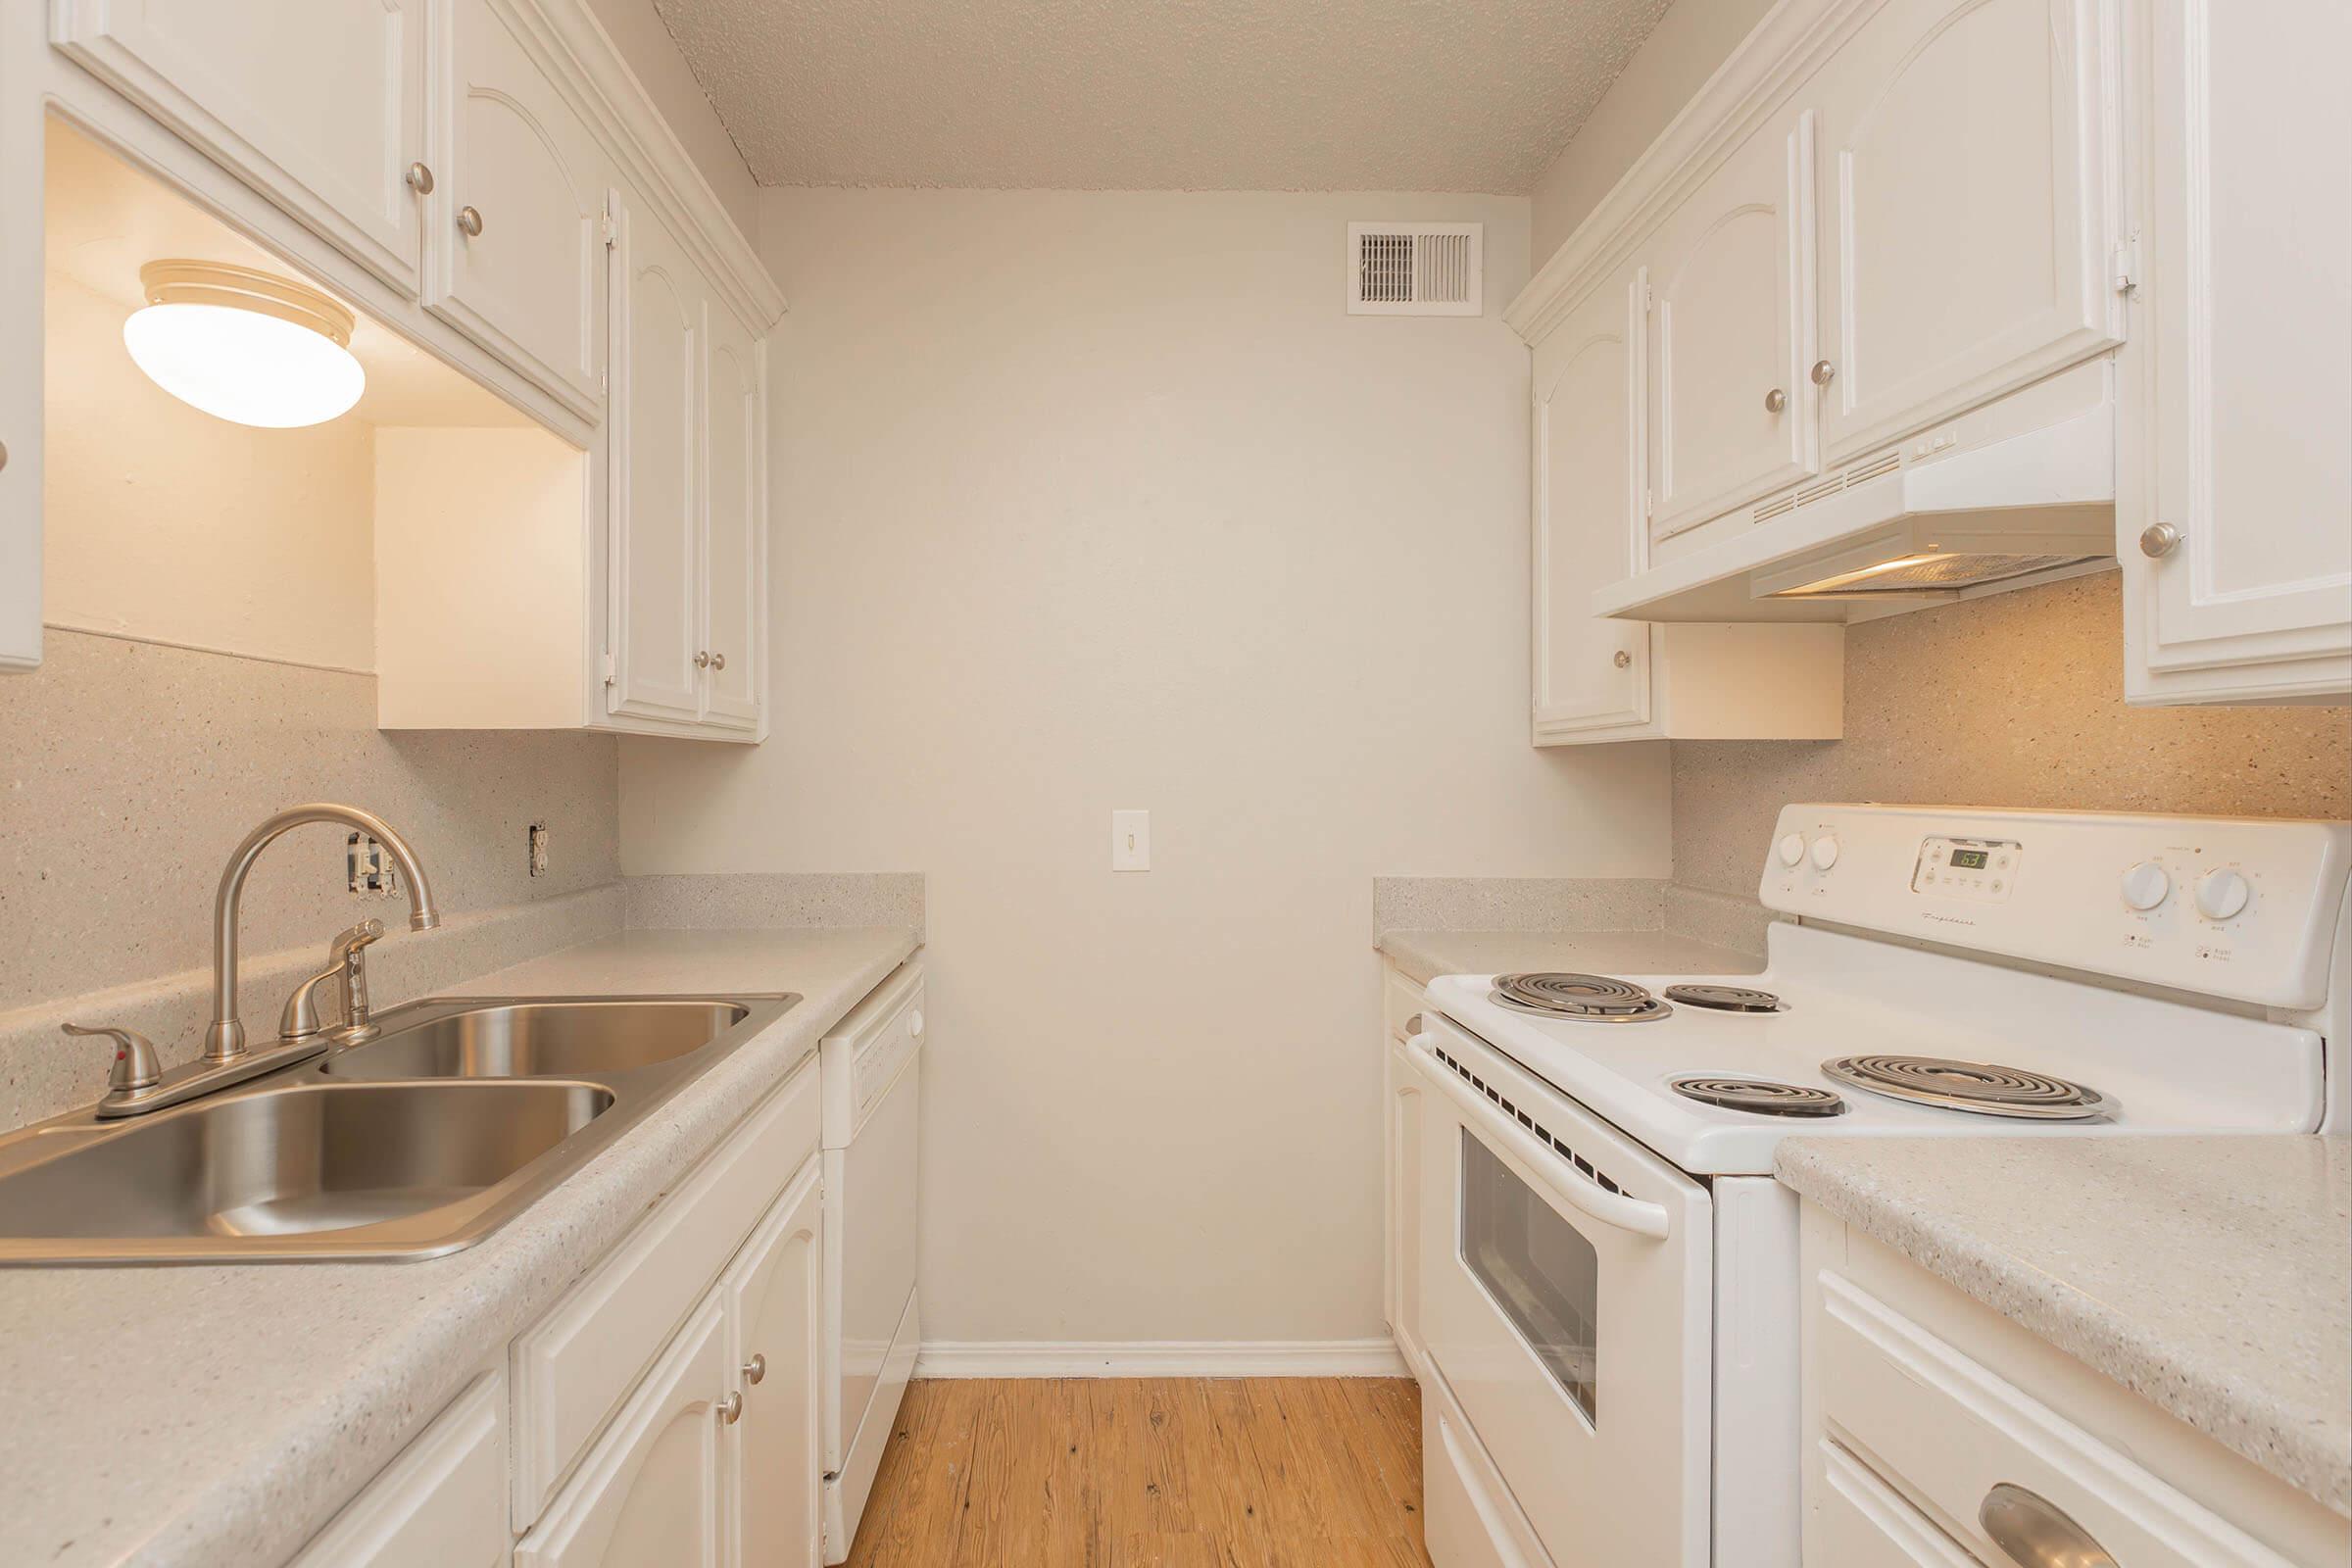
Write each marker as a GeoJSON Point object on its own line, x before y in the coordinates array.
{"type": "Point", "coordinates": [1585, 998]}
{"type": "Point", "coordinates": [1760, 1096]}
{"type": "Point", "coordinates": [1980, 1088]}
{"type": "Point", "coordinates": [1726, 999]}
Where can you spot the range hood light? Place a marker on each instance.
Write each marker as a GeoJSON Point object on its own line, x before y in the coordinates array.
{"type": "Point", "coordinates": [243, 345]}
{"type": "Point", "coordinates": [1846, 580]}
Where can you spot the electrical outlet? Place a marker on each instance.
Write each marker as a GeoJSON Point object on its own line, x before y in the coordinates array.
{"type": "Point", "coordinates": [538, 849]}
{"type": "Point", "coordinates": [1131, 841]}
{"type": "Point", "coordinates": [372, 870]}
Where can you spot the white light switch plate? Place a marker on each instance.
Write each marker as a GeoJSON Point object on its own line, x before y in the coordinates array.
{"type": "Point", "coordinates": [1131, 841]}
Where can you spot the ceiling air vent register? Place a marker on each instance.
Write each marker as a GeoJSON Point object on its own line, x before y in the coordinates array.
{"type": "Point", "coordinates": [1416, 268]}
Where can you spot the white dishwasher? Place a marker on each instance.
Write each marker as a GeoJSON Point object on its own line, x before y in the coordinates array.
{"type": "Point", "coordinates": [873, 1075]}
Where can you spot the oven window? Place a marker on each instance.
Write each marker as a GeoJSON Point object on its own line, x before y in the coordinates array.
{"type": "Point", "coordinates": [1542, 1274]}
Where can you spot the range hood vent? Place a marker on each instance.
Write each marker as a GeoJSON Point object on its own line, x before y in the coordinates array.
{"type": "Point", "coordinates": [2004, 498]}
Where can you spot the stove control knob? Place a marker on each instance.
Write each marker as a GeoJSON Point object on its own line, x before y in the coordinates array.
{"type": "Point", "coordinates": [1825, 852]}
{"type": "Point", "coordinates": [1792, 848]}
{"type": "Point", "coordinates": [2222, 893]}
{"type": "Point", "coordinates": [2146, 885]}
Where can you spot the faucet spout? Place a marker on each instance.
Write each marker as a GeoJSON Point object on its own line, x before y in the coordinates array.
{"type": "Point", "coordinates": [224, 1039]}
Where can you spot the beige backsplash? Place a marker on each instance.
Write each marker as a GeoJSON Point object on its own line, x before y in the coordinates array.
{"type": "Point", "coordinates": [2012, 700]}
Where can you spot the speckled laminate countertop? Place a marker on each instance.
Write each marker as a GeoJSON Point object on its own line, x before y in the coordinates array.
{"type": "Point", "coordinates": [221, 1414]}
{"type": "Point", "coordinates": [1423, 956]}
{"type": "Point", "coordinates": [2211, 1276]}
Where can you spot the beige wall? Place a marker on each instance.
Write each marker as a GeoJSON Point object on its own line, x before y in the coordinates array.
{"type": "Point", "coordinates": [1691, 39]}
{"type": "Point", "coordinates": [2012, 700]}
{"type": "Point", "coordinates": [653, 56]}
{"type": "Point", "coordinates": [1090, 501]}
{"type": "Point", "coordinates": [167, 523]}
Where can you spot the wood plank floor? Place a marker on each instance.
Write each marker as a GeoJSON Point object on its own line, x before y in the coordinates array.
{"type": "Point", "coordinates": [1150, 1473]}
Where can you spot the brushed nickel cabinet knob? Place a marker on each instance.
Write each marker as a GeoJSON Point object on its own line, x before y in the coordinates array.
{"type": "Point", "coordinates": [702, 660]}
{"type": "Point", "coordinates": [754, 1369]}
{"type": "Point", "coordinates": [420, 180]}
{"type": "Point", "coordinates": [1823, 373]}
{"type": "Point", "coordinates": [470, 220]}
{"type": "Point", "coordinates": [1624, 660]}
{"type": "Point", "coordinates": [730, 1408]}
{"type": "Point", "coordinates": [1774, 401]}
{"type": "Point", "coordinates": [2159, 540]}
{"type": "Point", "coordinates": [718, 661]}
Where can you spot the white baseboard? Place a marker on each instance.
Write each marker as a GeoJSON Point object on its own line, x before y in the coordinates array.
{"type": "Point", "coordinates": [1160, 1359]}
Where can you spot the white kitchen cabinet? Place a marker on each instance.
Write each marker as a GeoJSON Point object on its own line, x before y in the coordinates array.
{"type": "Point", "coordinates": [1732, 333]}
{"type": "Point", "coordinates": [1596, 680]}
{"type": "Point", "coordinates": [317, 104]}
{"type": "Point", "coordinates": [22, 119]}
{"type": "Point", "coordinates": [1402, 1002]}
{"type": "Point", "coordinates": [688, 528]}
{"type": "Point", "coordinates": [2236, 522]}
{"type": "Point", "coordinates": [651, 1490]}
{"type": "Point", "coordinates": [735, 506]}
{"type": "Point", "coordinates": [441, 1504]}
{"type": "Point", "coordinates": [1920, 1407]}
{"type": "Point", "coordinates": [1967, 223]}
{"type": "Point", "coordinates": [516, 227]}
{"type": "Point", "coordinates": [774, 1297]}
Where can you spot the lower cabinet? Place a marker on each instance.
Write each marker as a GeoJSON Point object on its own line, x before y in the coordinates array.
{"type": "Point", "coordinates": [1937, 1432]}
{"type": "Point", "coordinates": [1402, 1002]}
{"type": "Point", "coordinates": [443, 1503]}
{"type": "Point", "coordinates": [773, 1298]}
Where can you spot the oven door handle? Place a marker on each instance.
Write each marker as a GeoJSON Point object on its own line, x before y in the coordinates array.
{"type": "Point", "coordinates": [1632, 1214]}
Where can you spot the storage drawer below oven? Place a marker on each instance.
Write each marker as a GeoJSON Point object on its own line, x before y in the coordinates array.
{"type": "Point", "coordinates": [1468, 1516]}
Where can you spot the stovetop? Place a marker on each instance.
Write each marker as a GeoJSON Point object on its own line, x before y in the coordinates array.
{"type": "Point", "coordinates": [2156, 1066]}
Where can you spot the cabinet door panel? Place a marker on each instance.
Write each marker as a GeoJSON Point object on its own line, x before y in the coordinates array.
{"type": "Point", "coordinates": [774, 1295]}
{"type": "Point", "coordinates": [317, 104]}
{"type": "Point", "coordinates": [650, 1492]}
{"type": "Point", "coordinates": [1404, 1207]}
{"type": "Point", "coordinates": [516, 246]}
{"type": "Point", "coordinates": [1965, 229]}
{"type": "Point", "coordinates": [1732, 318]}
{"type": "Point", "coordinates": [2253, 361]}
{"type": "Point", "coordinates": [737, 556]}
{"type": "Point", "coordinates": [1590, 672]}
{"type": "Point", "coordinates": [656, 490]}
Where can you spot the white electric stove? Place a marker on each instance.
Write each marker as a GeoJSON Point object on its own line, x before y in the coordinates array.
{"type": "Point", "coordinates": [1607, 1279]}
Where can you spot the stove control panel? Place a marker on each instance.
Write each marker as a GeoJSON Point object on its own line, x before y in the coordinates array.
{"type": "Point", "coordinates": [2241, 908]}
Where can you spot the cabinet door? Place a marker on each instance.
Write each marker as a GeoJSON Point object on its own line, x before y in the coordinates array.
{"type": "Point", "coordinates": [515, 245]}
{"type": "Point", "coordinates": [1965, 233]}
{"type": "Point", "coordinates": [1590, 672]}
{"type": "Point", "coordinates": [649, 1493]}
{"type": "Point", "coordinates": [443, 1502]}
{"type": "Point", "coordinates": [655, 488]}
{"type": "Point", "coordinates": [775, 1299]}
{"type": "Point", "coordinates": [317, 104]}
{"type": "Point", "coordinates": [736, 554]}
{"type": "Point", "coordinates": [1405, 1205]}
{"type": "Point", "coordinates": [1731, 413]}
{"type": "Point", "coordinates": [2252, 309]}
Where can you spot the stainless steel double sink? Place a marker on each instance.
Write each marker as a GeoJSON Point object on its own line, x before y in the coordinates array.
{"type": "Point", "coordinates": [459, 1116]}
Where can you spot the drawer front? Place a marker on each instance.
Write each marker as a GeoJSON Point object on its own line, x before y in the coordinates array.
{"type": "Point", "coordinates": [1399, 999]}
{"type": "Point", "coordinates": [574, 1367]}
{"type": "Point", "coordinates": [1947, 1431]}
{"type": "Point", "coordinates": [443, 1502]}
{"type": "Point", "coordinates": [1468, 1514]}
{"type": "Point", "coordinates": [1859, 1522]}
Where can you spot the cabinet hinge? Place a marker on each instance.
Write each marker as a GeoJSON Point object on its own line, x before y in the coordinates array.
{"type": "Point", "coordinates": [2126, 268]}
{"type": "Point", "coordinates": [611, 671]}
{"type": "Point", "coordinates": [1650, 501]}
{"type": "Point", "coordinates": [604, 381]}
{"type": "Point", "coordinates": [611, 230]}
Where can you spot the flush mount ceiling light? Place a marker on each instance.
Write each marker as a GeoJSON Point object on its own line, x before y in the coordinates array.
{"type": "Point", "coordinates": [244, 345]}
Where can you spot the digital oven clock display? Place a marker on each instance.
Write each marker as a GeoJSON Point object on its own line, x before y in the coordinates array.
{"type": "Point", "coordinates": [1971, 859]}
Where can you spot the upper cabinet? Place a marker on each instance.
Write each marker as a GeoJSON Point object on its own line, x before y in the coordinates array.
{"type": "Point", "coordinates": [484, 179]}
{"type": "Point", "coordinates": [1968, 226]}
{"type": "Point", "coordinates": [1730, 323]}
{"type": "Point", "coordinates": [515, 232]}
{"type": "Point", "coordinates": [319, 104]}
{"type": "Point", "coordinates": [2237, 546]}
{"type": "Point", "coordinates": [1937, 297]}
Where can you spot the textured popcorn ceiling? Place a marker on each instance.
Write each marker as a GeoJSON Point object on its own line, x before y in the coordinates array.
{"type": "Point", "coordinates": [1454, 95]}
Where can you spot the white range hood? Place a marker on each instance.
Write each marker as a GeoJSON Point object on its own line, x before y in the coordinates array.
{"type": "Point", "coordinates": [2000, 499]}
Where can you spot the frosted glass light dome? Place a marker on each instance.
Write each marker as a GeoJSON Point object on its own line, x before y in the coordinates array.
{"type": "Point", "coordinates": [243, 345]}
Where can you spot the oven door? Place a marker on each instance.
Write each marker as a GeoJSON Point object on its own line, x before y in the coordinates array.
{"type": "Point", "coordinates": [1567, 1301]}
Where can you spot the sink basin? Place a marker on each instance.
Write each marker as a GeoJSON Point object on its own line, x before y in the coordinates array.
{"type": "Point", "coordinates": [421, 1142]}
{"type": "Point", "coordinates": [581, 1039]}
{"type": "Point", "coordinates": [400, 1161]}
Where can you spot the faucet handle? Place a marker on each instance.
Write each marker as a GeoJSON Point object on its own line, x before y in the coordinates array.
{"type": "Point", "coordinates": [135, 1065]}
